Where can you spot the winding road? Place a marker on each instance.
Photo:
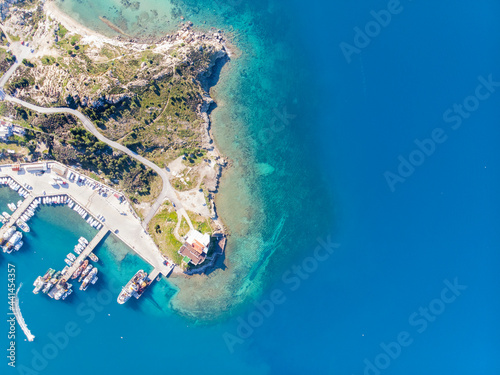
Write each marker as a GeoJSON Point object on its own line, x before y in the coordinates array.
{"type": "Point", "coordinates": [167, 192]}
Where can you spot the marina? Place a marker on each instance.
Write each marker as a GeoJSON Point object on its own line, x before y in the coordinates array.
{"type": "Point", "coordinates": [101, 207]}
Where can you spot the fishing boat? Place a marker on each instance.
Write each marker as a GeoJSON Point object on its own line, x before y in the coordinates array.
{"type": "Point", "coordinates": [135, 287]}
{"type": "Point", "coordinates": [87, 279]}
{"type": "Point", "coordinates": [62, 288]}
{"type": "Point", "coordinates": [8, 234]}
{"type": "Point", "coordinates": [80, 269]}
{"type": "Point", "coordinates": [85, 272]}
{"type": "Point", "coordinates": [39, 284]}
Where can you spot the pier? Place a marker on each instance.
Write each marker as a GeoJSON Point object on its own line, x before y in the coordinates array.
{"type": "Point", "coordinates": [17, 214]}
{"type": "Point", "coordinates": [85, 253]}
{"type": "Point", "coordinates": [154, 274]}
{"type": "Point", "coordinates": [103, 203]}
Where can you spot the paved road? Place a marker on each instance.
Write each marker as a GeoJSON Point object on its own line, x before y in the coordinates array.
{"type": "Point", "coordinates": [21, 52]}
{"type": "Point", "coordinates": [167, 191]}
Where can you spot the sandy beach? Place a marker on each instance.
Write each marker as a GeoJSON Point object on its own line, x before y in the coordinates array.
{"type": "Point", "coordinates": [72, 25]}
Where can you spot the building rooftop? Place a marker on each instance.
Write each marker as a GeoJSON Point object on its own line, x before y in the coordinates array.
{"type": "Point", "coordinates": [187, 251]}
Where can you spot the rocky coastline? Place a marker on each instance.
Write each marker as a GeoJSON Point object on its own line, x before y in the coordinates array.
{"type": "Point", "coordinates": [184, 41]}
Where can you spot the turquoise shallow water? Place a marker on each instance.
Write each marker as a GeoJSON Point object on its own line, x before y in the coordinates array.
{"type": "Point", "coordinates": [346, 125]}
{"type": "Point", "coordinates": [257, 124]}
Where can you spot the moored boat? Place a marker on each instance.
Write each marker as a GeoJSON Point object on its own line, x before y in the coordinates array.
{"type": "Point", "coordinates": [18, 245]}
{"type": "Point", "coordinates": [78, 249]}
{"type": "Point", "coordinates": [22, 225]}
{"type": "Point", "coordinates": [85, 272]}
{"type": "Point", "coordinates": [135, 287]}
{"type": "Point", "coordinates": [39, 284]}
{"type": "Point", "coordinates": [80, 269]}
{"type": "Point", "coordinates": [88, 278]}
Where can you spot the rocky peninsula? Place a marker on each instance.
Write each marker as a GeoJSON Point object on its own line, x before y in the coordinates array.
{"type": "Point", "coordinates": [149, 97]}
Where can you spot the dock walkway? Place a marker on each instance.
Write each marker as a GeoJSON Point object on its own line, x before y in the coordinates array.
{"type": "Point", "coordinates": [154, 274]}
{"type": "Point", "coordinates": [16, 214]}
{"type": "Point", "coordinates": [85, 253]}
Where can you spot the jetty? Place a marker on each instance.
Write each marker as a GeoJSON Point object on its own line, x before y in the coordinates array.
{"type": "Point", "coordinates": [105, 205]}
{"type": "Point", "coordinates": [154, 274]}
{"type": "Point", "coordinates": [85, 253]}
{"type": "Point", "coordinates": [16, 214]}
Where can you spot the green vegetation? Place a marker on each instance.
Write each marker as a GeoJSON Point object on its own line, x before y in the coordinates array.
{"type": "Point", "coordinates": [14, 38]}
{"type": "Point", "coordinates": [200, 223]}
{"type": "Point", "coordinates": [61, 33]}
{"type": "Point", "coordinates": [48, 60]}
{"type": "Point", "coordinates": [157, 113]}
{"type": "Point", "coordinates": [184, 227]}
{"type": "Point", "coordinates": [65, 140]}
{"type": "Point", "coordinates": [161, 227]}
{"type": "Point", "coordinates": [28, 63]}
{"type": "Point", "coordinates": [19, 83]}
{"type": "Point", "coordinates": [6, 60]}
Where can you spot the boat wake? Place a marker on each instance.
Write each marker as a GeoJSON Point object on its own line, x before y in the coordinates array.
{"type": "Point", "coordinates": [19, 317]}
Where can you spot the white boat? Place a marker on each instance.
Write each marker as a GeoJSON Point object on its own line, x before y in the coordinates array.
{"type": "Point", "coordinates": [9, 233]}
{"type": "Point", "coordinates": [68, 262]}
{"type": "Point", "coordinates": [22, 225]}
{"type": "Point", "coordinates": [78, 249]}
{"type": "Point", "coordinates": [18, 245]}
{"type": "Point", "coordinates": [6, 215]}
{"type": "Point", "coordinates": [67, 294]}
{"type": "Point", "coordinates": [71, 257]}
{"type": "Point", "coordinates": [11, 206]}
{"type": "Point", "coordinates": [38, 284]}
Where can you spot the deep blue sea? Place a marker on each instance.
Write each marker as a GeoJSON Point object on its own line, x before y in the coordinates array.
{"type": "Point", "coordinates": [362, 203]}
